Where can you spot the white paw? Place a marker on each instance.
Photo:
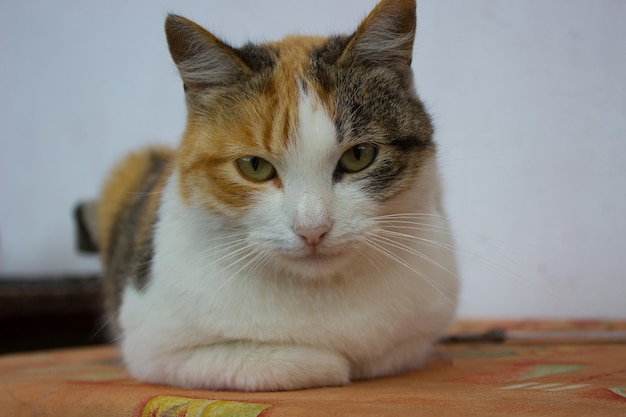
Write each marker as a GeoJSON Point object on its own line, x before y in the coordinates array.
{"type": "Point", "coordinates": [245, 366]}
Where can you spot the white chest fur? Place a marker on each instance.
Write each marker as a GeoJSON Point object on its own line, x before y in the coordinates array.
{"type": "Point", "coordinates": [385, 312]}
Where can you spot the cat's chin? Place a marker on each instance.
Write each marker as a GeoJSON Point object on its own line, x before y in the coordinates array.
{"type": "Point", "coordinates": [315, 264]}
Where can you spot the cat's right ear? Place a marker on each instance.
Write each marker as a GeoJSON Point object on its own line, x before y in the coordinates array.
{"type": "Point", "coordinates": [203, 60]}
{"type": "Point", "coordinates": [385, 37]}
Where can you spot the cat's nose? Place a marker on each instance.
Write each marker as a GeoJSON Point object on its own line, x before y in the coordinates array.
{"type": "Point", "coordinates": [312, 235]}
{"type": "Point", "coordinates": [312, 219]}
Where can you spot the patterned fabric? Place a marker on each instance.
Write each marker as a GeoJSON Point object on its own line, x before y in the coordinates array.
{"type": "Point", "coordinates": [540, 376]}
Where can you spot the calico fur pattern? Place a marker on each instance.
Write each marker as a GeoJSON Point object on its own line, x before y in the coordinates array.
{"type": "Point", "coordinates": [314, 277]}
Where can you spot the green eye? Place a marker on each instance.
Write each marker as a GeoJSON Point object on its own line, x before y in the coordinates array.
{"type": "Point", "coordinates": [357, 158]}
{"type": "Point", "coordinates": [255, 168]}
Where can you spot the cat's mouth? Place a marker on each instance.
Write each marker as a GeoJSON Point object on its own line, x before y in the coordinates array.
{"type": "Point", "coordinates": [317, 256]}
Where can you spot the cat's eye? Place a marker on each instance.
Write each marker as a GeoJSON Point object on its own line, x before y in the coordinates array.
{"type": "Point", "coordinates": [255, 168]}
{"type": "Point", "coordinates": [358, 157]}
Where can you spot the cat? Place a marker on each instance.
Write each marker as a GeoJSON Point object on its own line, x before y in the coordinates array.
{"type": "Point", "coordinates": [296, 238]}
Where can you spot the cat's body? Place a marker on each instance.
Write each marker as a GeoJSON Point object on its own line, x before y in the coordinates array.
{"type": "Point", "coordinates": [296, 238]}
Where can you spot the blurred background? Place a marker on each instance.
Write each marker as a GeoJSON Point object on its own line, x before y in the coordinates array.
{"type": "Point", "coordinates": [528, 98]}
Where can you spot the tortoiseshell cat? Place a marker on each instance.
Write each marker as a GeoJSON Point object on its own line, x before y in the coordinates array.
{"type": "Point", "coordinates": [296, 238]}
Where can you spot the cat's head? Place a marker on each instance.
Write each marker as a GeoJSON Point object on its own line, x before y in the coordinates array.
{"type": "Point", "coordinates": [301, 143]}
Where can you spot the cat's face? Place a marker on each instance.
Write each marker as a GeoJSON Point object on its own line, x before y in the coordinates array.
{"type": "Point", "coordinates": [300, 144]}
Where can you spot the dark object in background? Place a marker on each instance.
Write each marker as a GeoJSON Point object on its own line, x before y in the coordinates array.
{"type": "Point", "coordinates": [47, 313]}
{"type": "Point", "coordinates": [85, 226]}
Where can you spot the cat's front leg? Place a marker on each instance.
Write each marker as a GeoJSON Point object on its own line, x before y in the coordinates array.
{"type": "Point", "coordinates": [244, 366]}
{"type": "Point", "coordinates": [403, 357]}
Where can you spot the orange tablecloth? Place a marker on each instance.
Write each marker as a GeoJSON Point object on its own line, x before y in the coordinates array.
{"type": "Point", "coordinates": [537, 377]}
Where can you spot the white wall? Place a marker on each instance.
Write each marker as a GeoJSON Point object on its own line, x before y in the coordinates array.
{"type": "Point", "coordinates": [529, 99]}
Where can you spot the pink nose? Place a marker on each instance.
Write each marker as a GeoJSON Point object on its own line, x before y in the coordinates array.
{"type": "Point", "coordinates": [313, 236]}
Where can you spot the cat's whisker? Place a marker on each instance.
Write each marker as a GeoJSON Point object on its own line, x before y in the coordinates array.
{"type": "Point", "coordinates": [398, 222]}
{"type": "Point", "coordinates": [484, 262]}
{"type": "Point", "coordinates": [213, 250]}
{"type": "Point", "coordinates": [104, 325]}
{"type": "Point", "coordinates": [240, 248]}
{"type": "Point", "coordinates": [390, 255]}
{"type": "Point", "coordinates": [223, 252]}
{"type": "Point", "coordinates": [376, 259]}
{"type": "Point", "coordinates": [504, 272]}
{"type": "Point", "coordinates": [425, 227]}
{"type": "Point", "coordinates": [224, 247]}
{"type": "Point", "coordinates": [410, 237]}
{"type": "Point", "coordinates": [421, 239]}
{"type": "Point", "coordinates": [419, 220]}
{"type": "Point", "coordinates": [262, 264]}
{"type": "Point", "coordinates": [242, 256]}
{"type": "Point", "coordinates": [416, 215]}
{"type": "Point", "coordinates": [412, 251]}
{"type": "Point", "coordinates": [459, 230]}
{"type": "Point", "coordinates": [410, 220]}
{"type": "Point", "coordinates": [228, 236]}
{"type": "Point", "coordinates": [255, 258]}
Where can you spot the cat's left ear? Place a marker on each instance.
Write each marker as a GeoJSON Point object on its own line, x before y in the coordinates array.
{"type": "Point", "coordinates": [386, 36]}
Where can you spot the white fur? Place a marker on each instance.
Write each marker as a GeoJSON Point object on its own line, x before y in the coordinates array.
{"type": "Point", "coordinates": [311, 198]}
{"type": "Point", "coordinates": [249, 305]}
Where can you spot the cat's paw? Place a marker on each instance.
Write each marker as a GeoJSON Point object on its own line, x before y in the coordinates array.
{"type": "Point", "coordinates": [404, 357]}
{"type": "Point", "coordinates": [293, 368]}
{"type": "Point", "coordinates": [243, 366]}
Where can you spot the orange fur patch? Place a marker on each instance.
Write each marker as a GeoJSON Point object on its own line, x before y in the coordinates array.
{"type": "Point", "coordinates": [122, 185]}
